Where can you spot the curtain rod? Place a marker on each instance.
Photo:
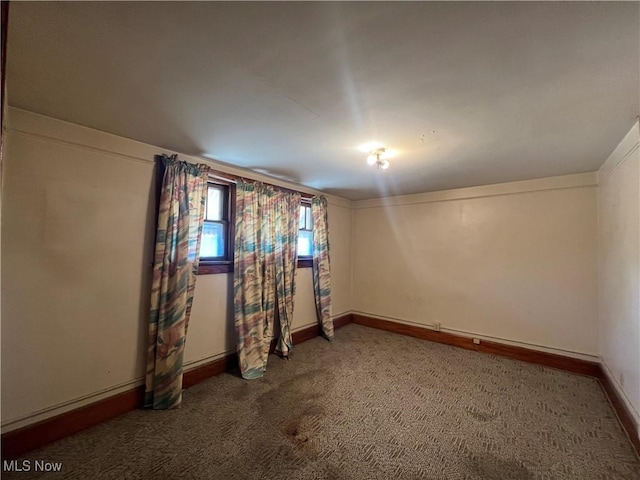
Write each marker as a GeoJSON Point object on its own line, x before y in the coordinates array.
{"type": "Point", "coordinates": [231, 177]}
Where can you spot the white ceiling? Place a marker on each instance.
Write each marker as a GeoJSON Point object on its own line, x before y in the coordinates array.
{"type": "Point", "coordinates": [513, 90]}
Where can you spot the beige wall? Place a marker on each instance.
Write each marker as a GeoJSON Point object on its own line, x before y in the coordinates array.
{"type": "Point", "coordinates": [77, 245]}
{"type": "Point", "coordinates": [619, 273]}
{"type": "Point", "coordinates": [515, 262]}
{"type": "Point", "coordinates": [207, 339]}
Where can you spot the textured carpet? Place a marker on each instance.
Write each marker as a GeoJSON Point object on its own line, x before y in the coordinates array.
{"type": "Point", "coordinates": [369, 405]}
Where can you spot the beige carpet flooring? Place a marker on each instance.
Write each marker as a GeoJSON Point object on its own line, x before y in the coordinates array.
{"type": "Point", "coordinates": [369, 405]}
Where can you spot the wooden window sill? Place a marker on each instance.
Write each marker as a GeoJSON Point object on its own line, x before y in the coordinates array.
{"type": "Point", "coordinates": [213, 268]}
{"type": "Point", "coordinates": [305, 262]}
{"type": "Point", "coordinates": [227, 267]}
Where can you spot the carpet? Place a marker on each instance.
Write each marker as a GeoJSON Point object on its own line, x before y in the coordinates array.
{"type": "Point", "coordinates": [369, 405]}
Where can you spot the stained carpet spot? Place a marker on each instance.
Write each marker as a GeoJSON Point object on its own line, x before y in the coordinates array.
{"type": "Point", "coordinates": [296, 430]}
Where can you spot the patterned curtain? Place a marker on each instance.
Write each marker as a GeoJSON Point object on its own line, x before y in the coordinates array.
{"type": "Point", "coordinates": [179, 228]}
{"type": "Point", "coordinates": [264, 271]}
{"type": "Point", "coordinates": [287, 229]}
{"type": "Point", "coordinates": [321, 267]}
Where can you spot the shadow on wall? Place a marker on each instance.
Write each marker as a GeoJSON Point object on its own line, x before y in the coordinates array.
{"type": "Point", "coordinates": [147, 273]}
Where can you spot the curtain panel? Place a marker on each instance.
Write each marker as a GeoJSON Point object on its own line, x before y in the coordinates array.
{"type": "Point", "coordinates": [321, 265]}
{"type": "Point", "coordinates": [265, 262]}
{"type": "Point", "coordinates": [179, 229]}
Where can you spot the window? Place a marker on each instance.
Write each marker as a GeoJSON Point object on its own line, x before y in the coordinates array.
{"type": "Point", "coordinates": [305, 237]}
{"type": "Point", "coordinates": [216, 244]}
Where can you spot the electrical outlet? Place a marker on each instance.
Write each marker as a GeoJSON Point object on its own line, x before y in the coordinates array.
{"type": "Point", "coordinates": [437, 326]}
{"type": "Point", "coordinates": [476, 341]}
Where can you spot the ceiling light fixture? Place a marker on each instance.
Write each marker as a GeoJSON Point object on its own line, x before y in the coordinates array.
{"type": "Point", "coordinates": [375, 159]}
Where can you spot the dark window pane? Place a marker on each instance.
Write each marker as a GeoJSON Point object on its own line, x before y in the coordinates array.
{"type": "Point", "coordinates": [305, 243]}
{"type": "Point", "coordinates": [212, 243]}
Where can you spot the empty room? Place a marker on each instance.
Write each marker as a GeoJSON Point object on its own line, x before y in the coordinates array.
{"type": "Point", "coordinates": [320, 240]}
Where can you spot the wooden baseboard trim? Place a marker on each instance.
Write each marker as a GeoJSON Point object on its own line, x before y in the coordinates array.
{"type": "Point", "coordinates": [315, 330]}
{"type": "Point", "coordinates": [23, 440]}
{"type": "Point", "coordinates": [624, 415]}
{"type": "Point", "coordinates": [28, 438]}
{"type": "Point", "coordinates": [305, 334]}
{"type": "Point", "coordinates": [342, 320]}
{"type": "Point", "coordinates": [210, 369]}
{"type": "Point", "coordinates": [569, 364]}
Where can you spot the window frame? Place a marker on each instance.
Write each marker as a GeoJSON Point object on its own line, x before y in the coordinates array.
{"type": "Point", "coordinates": [214, 265]}
{"type": "Point", "coordinates": [306, 261]}
{"type": "Point", "coordinates": [211, 265]}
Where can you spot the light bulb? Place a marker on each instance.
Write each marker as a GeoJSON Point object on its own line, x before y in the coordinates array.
{"type": "Point", "coordinates": [384, 164]}
{"type": "Point", "coordinates": [372, 159]}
